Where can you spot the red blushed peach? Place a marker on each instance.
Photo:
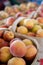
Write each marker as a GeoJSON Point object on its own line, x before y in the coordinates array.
{"type": "Point", "coordinates": [5, 54]}
{"type": "Point", "coordinates": [10, 21]}
{"type": "Point", "coordinates": [3, 43]}
{"type": "Point", "coordinates": [1, 33]}
{"type": "Point", "coordinates": [40, 19]}
{"type": "Point", "coordinates": [16, 61]}
{"type": "Point", "coordinates": [18, 48]}
{"type": "Point", "coordinates": [31, 34]}
{"type": "Point", "coordinates": [8, 35]}
{"type": "Point", "coordinates": [31, 52]}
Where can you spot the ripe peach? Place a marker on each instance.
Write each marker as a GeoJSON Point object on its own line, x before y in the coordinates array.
{"type": "Point", "coordinates": [4, 14]}
{"type": "Point", "coordinates": [27, 42]}
{"type": "Point", "coordinates": [29, 24]}
{"type": "Point", "coordinates": [36, 28]}
{"type": "Point", "coordinates": [31, 34]}
{"type": "Point", "coordinates": [40, 33]}
{"type": "Point", "coordinates": [10, 21]}
{"type": "Point", "coordinates": [3, 43]}
{"type": "Point", "coordinates": [31, 52]}
{"type": "Point", "coordinates": [22, 30]}
{"type": "Point", "coordinates": [40, 19]}
{"type": "Point", "coordinates": [16, 61]}
{"type": "Point", "coordinates": [10, 11]}
{"type": "Point", "coordinates": [23, 7]}
{"type": "Point", "coordinates": [1, 33]}
{"type": "Point", "coordinates": [18, 48]}
{"type": "Point", "coordinates": [8, 35]}
{"type": "Point", "coordinates": [7, 9]}
{"type": "Point", "coordinates": [5, 54]}
{"type": "Point", "coordinates": [16, 10]}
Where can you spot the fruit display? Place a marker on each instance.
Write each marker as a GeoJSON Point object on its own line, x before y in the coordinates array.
{"type": "Point", "coordinates": [30, 27]}
{"type": "Point", "coordinates": [17, 50]}
{"type": "Point", "coordinates": [24, 8]}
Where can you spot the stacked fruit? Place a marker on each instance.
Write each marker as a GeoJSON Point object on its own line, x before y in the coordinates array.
{"type": "Point", "coordinates": [23, 9]}
{"type": "Point", "coordinates": [31, 27]}
{"type": "Point", "coordinates": [16, 51]}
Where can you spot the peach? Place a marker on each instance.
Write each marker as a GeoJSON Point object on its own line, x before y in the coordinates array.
{"type": "Point", "coordinates": [23, 7]}
{"type": "Point", "coordinates": [31, 34]}
{"type": "Point", "coordinates": [3, 43]}
{"type": "Point", "coordinates": [31, 52]}
{"type": "Point", "coordinates": [9, 10]}
{"type": "Point", "coordinates": [22, 30]}
{"type": "Point", "coordinates": [10, 21]}
{"type": "Point", "coordinates": [1, 33]}
{"type": "Point", "coordinates": [40, 33]}
{"type": "Point", "coordinates": [40, 19]}
{"type": "Point", "coordinates": [8, 35]}
{"type": "Point", "coordinates": [29, 24]}
{"type": "Point", "coordinates": [18, 48]}
{"type": "Point", "coordinates": [5, 54]}
{"type": "Point", "coordinates": [16, 61]}
{"type": "Point", "coordinates": [4, 14]}
{"type": "Point", "coordinates": [16, 10]}
{"type": "Point", "coordinates": [27, 42]}
{"type": "Point", "coordinates": [36, 28]}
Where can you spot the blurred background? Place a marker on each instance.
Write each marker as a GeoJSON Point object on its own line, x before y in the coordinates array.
{"type": "Point", "coordinates": [4, 3]}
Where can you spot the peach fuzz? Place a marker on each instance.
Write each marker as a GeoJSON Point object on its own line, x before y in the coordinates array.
{"type": "Point", "coordinates": [18, 48]}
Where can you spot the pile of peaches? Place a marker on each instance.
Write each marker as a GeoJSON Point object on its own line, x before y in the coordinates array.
{"type": "Point", "coordinates": [16, 51]}
{"type": "Point", "coordinates": [30, 27]}
{"type": "Point", "coordinates": [23, 9]}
